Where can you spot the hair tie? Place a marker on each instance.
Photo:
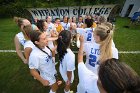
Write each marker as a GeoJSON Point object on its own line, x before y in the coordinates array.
{"type": "Point", "coordinates": [108, 31]}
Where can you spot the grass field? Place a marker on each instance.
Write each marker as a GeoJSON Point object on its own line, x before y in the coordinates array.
{"type": "Point", "coordinates": [15, 76]}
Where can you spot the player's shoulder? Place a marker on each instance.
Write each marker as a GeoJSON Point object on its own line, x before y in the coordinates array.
{"type": "Point", "coordinates": [47, 49]}
{"type": "Point", "coordinates": [88, 29]}
{"type": "Point", "coordinates": [20, 34]}
{"type": "Point", "coordinates": [29, 43]}
{"type": "Point", "coordinates": [35, 52]}
{"type": "Point", "coordinates": [69, 53]}
{"type": "Point", "coordinates": [114, 49]}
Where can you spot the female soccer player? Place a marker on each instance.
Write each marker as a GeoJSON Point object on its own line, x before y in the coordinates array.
{"type": "Point", "coordinates": [19, 38]}
{"type": "Point", "coordinates": [80, 22]}
{"type": "Point", "coordinates": [65, 23]}
{"type": "Point", "coordinates": [22, 38]}
{"type": "Point", "coordinates": [100, 50]}
{"type": "Point", "coordinates": [113, 77]}
{"type": "Point", "coordinates": [41, 60]}
{"type": "Point", "coordinates": [67, 59]}
{"type": "Point", "coordinates": [28, 46]}
{"type": "Point", "coordinates": [86, 32]}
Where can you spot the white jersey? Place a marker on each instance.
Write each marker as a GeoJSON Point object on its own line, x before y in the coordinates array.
{"type": "Point", "coordinates": [41, 61]}
{"type": "Point", "coordinates": [92, 51]}
{"type": "Point", "coordinates": [79, 25]}
{"type": "Point", "coordinates": [87, 33]}
{"type": "Point", "coordinates": [67, 64]}
{"type": "Point", "coordinates": [21, 38]}
{"type": "Point", "coordinates": [51, 27]}
{"type": "Point", "coordinates": [29, 43]}
{"type": "Point", "coordinates": [87, 80]}
{"type": "Point", "coordinates": [66, 26]}
{"type": "Point", "coordinates": [50, 43]}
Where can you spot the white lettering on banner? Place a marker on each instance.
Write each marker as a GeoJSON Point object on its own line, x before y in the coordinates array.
{"type": "Point", "coordinates": [59, 12]}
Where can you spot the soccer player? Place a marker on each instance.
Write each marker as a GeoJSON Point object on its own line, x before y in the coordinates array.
{"type": "Point", "coordinates": [19, 39]}
{"type": "Point", "coordinates": [87, 32]}
{"type": "Point", "coordinates": [66, 58]}
{"type": "Point", "coordinates": [101, 49]}
{"type": "Point", "coordinates": [41, 60]}
{"type": "Point", "coordinates": [113, 77]}
{"type": "Point", "coordinates": [65, 23]}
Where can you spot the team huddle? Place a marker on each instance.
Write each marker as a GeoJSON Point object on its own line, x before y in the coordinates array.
{"type": "Point", "coordinates": [101, 73]}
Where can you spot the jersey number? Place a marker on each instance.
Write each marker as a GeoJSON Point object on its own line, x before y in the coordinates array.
{"type": "Point", "coordinates": [92, 60]}
{"type": "Point", "coordinates": [89, 36]}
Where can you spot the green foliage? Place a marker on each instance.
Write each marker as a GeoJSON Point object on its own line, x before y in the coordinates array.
{"type": "Point", "coordinates": [10, 8]}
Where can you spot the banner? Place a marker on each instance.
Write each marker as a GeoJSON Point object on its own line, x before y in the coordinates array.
{"type": "Point", "coordinates": [59, 12]}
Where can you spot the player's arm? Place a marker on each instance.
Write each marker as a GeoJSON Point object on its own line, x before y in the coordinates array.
{"type": "Point", "coordinates": [27, 52]}
{"type": "Point", "coordinates": [18, 50]}
{"type": "Point", "coordinates": [35, 74]}
{"type": "Point", "coordinates": [54, 33]}
{"type": "Point", "coordinates": [53, 50]}
{"type": "Point", "coordinates": [80, 52]}
{"type": "Point", "coordinates": [62, 28]}
{"type": "Point", "coordinates": [69, 75]}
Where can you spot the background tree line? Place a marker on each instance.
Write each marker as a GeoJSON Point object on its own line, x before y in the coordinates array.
{"type": "Point", "coordinates": [9, 8]}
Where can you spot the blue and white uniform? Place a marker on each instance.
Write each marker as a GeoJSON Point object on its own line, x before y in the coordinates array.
{"type": "Point", "coordinates": [67, 64]}
{"type": "Point", "coordinates": [87, 33]}
{"type": "Point", "coordinates": [92, 51]}
{"type": "Point", "coordinates": [43, 63]}
{"type": "Point", "coordinates": [21, 38]}
{"type": "Point", "coordinates": [66, 26]}
{"type": "Point", "coordinates": [29, 43]}
{"type": "Point", "coordinates": [87, 80]}
{"type": "Point", "coordinates": [51, 27]}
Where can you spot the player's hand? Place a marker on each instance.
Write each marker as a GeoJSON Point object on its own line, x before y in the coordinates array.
{"type": "Point", "coordinates": [68, 82]}
{"type": "Point", "coordinates": [54, 48]}
{"type": "Point", "coordinates": [81, 39]}
{"type": "Point", "coordinates": [54, 34]}
{"type": "Point", "coordinates": [73, 27]}
{"type": "Point", "coordinates": [25, 61]}
{"type": "Point", "coordinates": [45, 82]}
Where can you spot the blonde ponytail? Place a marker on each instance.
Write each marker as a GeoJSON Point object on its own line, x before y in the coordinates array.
{"type": "Point", "coordinates": [106, 48]}
{"type": "Point", "coordinates": [106, 36]}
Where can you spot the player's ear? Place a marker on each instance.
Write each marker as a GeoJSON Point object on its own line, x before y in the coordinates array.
{"type": "Point", "coordinates": [36, 42]}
